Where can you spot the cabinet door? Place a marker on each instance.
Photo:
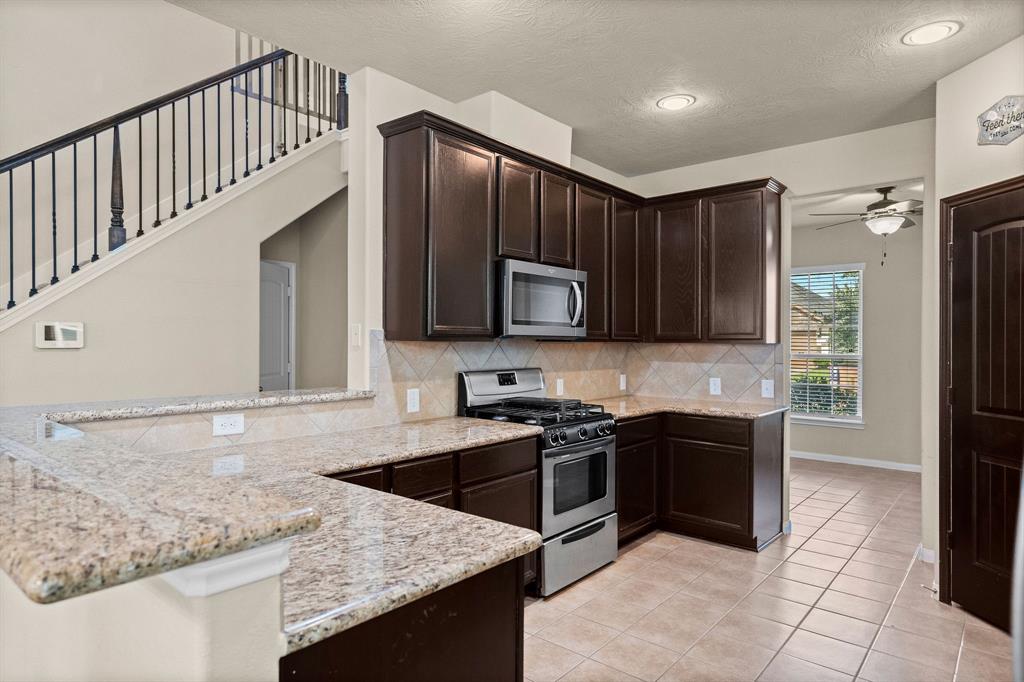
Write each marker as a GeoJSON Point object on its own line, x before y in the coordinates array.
{"type": "Point", "coordinates": [511, 500]}
{"type": "Point", "coordinates": [635, 486]}
{"type": "Point", "coordinates": [375, 478]}
{"type": "Point", "coordinates": [676, 251]}
{"type": "Point", "coordinates": [593, 256]}
{"type": "Point", "coordinates": [734, 273]}
{"type": "Point", "coordinates": [460, 231]}
{"type": "Point", "coordinates": [706, 488]}
{"type": "Point", "coordinates": [518, 210]}
{"type": "Point", "coordinates": [625, 310]}
{"type": "Point", "coordinates": [557, 222]}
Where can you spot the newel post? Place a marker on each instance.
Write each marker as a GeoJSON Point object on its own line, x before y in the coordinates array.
{"type": "Point", "coordinates": [116, 235]}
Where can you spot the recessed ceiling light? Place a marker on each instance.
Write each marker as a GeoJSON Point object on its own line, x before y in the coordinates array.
{"type": "Point", "coordinates": [931, 33]}
{"type": "Point", "coordinates": [676, 102]}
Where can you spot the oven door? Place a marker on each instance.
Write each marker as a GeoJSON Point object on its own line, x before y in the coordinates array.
{"type": "Point", "coordinates": [541, 300]}
{"type": "Point", "coordinates": [579, 484]}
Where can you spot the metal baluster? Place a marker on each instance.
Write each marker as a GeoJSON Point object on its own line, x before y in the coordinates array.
{"type": "Point", "coordinates": [10, 236]}
{"type": "Point", "coordinates": [174, 162]}
{"type": "Point", "coordinates": [95, 206]}
{"type": "Point", "coordinates": [273, 94]}
{"type": "Point", "coordinates": [319, 99]}
{"type": "Point", "coordinates": [296, 87]}
{"type": "Point", "coordinates": [284, 106]}
{"type": "Point", "coordinates": [342, 100]}
{"type": "Point", "coordinates": [156, 196]}
{"type": "Point", "coordinates": [219, 188]}
{"type": "Point", "coordinates": [231, 91]}
{"type": "Point", "coordinates": [246, 173]}
{"type": "Point", "coordinates": [188, 131]}
{"type": "Point", "coordinates": [308, 127]}
{"type": "Point", "coordinates": [116, 234]}
{"type": "Point", "coordinates": [330, 99]}
{"type": "Point", "coordinates": [33, 291]}
{"type": "Point", "coordinates": [203, 100]}
{"type": "Point", "coordinates": [259, 123]}
{"type": "Point", "coordinates": [139, 233]}
{"type": "Point", "coordinates": [53, 211]}
{"type": "Point", "coordinates": [74, 204]}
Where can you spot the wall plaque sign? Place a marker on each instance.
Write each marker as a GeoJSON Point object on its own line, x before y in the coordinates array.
{"type": "Point", "coordinates": [1003, 122]}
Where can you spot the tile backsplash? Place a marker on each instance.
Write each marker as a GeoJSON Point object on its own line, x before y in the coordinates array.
{"type": "Point", "coordinates": [589, 370]}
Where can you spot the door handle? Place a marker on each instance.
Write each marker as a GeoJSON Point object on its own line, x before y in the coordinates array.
{"type": "Point", "coordinates": [585, 533]}
{"type": "Point", "coordinates": [578, 294]}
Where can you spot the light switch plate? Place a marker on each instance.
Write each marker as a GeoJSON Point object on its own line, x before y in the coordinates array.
{"type": "Point", "coordinates": [622, 382]}
{"type": "Point", "coordinates": [228, 424]}
{"type": "Point", "coordinates": [715, 386]}
{"type": "Point", "coordinates": [355, 332]}
{"type": "Point", "coordinates": [767, 388]}
{"type": "Point", "coordinates": [412, 400]}
{"type": "Point", "coordinates": [559, 386]}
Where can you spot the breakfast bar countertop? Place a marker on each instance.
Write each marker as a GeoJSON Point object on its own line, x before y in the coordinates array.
{"type": "Point", "coordinates": [83, 513]}
{"type": "Point", "coordinates": [630, 406]}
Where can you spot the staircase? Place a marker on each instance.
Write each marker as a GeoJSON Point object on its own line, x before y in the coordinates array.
{"type": "Point", "coordinates": [104, 189]}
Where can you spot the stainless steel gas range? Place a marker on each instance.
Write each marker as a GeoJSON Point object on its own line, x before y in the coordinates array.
{"type": "Point", "coordinates": [577, 497]}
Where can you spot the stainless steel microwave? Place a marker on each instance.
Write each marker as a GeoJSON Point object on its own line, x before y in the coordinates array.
{"type": "Point", "coordinates": [542, 300]}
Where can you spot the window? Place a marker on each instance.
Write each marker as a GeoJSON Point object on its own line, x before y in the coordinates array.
{"type": "Point", "coordinates": [826, 351]}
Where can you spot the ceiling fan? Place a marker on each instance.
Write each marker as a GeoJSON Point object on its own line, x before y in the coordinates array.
{"type": "Point", "coordinates": [884, 216]}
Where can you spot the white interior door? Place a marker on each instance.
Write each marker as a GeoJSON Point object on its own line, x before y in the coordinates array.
{"type": "Point", "coordinates": [275, 326]}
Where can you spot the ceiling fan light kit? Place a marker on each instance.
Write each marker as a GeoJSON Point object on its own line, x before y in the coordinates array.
{"type": "Point", "coordinates": [885, 224]}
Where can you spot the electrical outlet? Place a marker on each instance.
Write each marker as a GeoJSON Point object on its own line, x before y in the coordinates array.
{"type": "Point", "coordinates": [767, 388]}
{"type": "Point", "coordinates": [412, 400]}
{"type": "Point", "coordinates": [355, 332]}
{"type": "Point", "coordinates": [228, 424]}
{"type": "Point", "coordinates": [622, 382]}
{"type": "Point", "coordinates": [559, 386]}
{"type": "Point", "coordinates": [715, 386]}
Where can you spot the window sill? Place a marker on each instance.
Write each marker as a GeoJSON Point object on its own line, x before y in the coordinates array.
{"type": "Point", "coordinates": [826, 421]}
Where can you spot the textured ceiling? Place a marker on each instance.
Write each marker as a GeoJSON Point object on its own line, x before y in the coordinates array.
{"type": "Point", "coordinates": [848, 201]}
{"type": "Point", "coordinates": [767, 73]}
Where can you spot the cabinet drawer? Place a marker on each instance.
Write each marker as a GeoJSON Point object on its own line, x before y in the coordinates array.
{"type": "Point", "coordinates": [497, 460]}
{"type": "Point", "coordinates": [634, 431]}
{"type": "Point", "coordinates": [415, 479]}
{"type": "Point", "coordinates": [709, 429]}
{"type": "Point", "coordinates": [368, 478]}
{"type": "Point", "coordinates": [442, 499]}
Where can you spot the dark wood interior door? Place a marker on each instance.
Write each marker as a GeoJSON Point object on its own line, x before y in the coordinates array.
{"type": "Point", "coordinates": [986, 350]}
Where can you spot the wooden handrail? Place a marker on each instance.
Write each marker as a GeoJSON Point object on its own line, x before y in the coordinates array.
{"type": "Point", "coordinates": [88, 131]}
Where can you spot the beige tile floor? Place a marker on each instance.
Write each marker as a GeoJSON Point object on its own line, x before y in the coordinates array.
{"type": "Point", "coordinates": [842, 598]}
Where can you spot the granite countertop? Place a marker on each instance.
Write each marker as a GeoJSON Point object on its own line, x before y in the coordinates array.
{"type": "Point", "coordinates": [82, 513]}
{"type": "Point", "coordinates": [627, 407]}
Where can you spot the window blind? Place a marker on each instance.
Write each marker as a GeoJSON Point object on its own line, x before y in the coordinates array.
{"type": "Point", "coordinates": [826, 360]}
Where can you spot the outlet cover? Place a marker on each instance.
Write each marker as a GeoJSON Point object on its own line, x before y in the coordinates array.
{"type": "Point", "coordinates": [715, 386]}
{"type": "Point", "coordinates": [767, 388]}
{"type": "Point", "coordinates": [412, 400]}
{"type": "Point", "coordinates": [559, 386]}
{"type": "Point", "coordinates": [228, 424]}
{"type": "Point", "coordinates": [622, 382]}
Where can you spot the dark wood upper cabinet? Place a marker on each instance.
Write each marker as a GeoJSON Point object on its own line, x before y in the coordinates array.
{"type": "Point", "coordinates": [518, 210]}
{"type": "Point", "coordinates": [593, 256]}
{"type": "Point", "coordinates": [741, 266]}
{"type": "Point", "coordinates": [439, 225]}
{"type": "Point", "coordinates": [626, 271]}
{"type": "Point", "coordinates": [675, 278]}
{"type": "Point", "coordinates": [557, 221]}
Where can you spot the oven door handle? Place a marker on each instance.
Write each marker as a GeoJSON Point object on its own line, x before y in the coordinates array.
{"type": "Point", "coordinates": [582, 534]}
{"type": "Point", "coordinates": [578, 453]}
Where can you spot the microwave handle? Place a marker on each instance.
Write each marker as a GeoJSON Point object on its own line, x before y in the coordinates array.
{"type": "Point", "coordinates": [578, 309]}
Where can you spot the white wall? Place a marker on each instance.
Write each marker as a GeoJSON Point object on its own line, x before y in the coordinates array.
{"type": "Point", "coordinates": [892, 343]}
{"type": "Point", "coordinates": [960, 164]}
{"type": "Point", "coordinates": [65, 63]}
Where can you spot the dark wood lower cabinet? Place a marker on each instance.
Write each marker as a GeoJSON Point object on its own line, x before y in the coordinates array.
{"type": "Point", "coordinates": [511, 500]}
{"type": "Point", "coordinates": [472, 630]}
{"type": "Point", "coordinates": [716, 478]}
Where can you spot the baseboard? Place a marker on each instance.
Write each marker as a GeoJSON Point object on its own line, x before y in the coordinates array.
{"type": "Point", "coordinates": [858, 461]}
{"type": "Point", "coordinates": [925, 555]}
{"type": "Point", "coordinates": [787, 528]}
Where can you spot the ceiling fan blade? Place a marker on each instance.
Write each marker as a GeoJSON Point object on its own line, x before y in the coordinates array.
{"type": "Point", "coordinates": [855, 220]}
{"type": "Point", "coordinates": [907, 222]}
{"type": "Point", "coordinates": [833, 214]}
{"type": "Point", "coordinates": [907, 205]}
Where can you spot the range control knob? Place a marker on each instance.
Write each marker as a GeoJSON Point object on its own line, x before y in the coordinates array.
{"type": "Point", "coordinates": [602, 429]}
{"type": "Point", "coordinates": [584, 434]}
{"type": "Point", "coordinates": [553, 438]}
{"type": "Point", "coordinates": [562, 438]}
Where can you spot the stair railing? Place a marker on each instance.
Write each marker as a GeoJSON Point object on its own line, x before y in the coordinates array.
{"type": "Point", "coordinates": [283, 97]}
